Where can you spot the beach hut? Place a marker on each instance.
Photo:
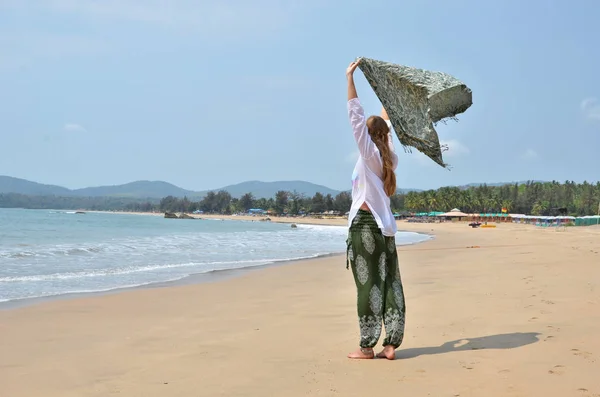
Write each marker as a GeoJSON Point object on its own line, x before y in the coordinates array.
{"type": "Point", "coordinates": [517, 218]}
{"type": "Point", "coordinates": [401, 215]}
{"type": "Point", "coordinates": [588, 220]}
{"type": "Point", "coordinates": [454, 214]}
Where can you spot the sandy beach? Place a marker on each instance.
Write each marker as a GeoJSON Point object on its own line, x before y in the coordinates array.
{"type": "Point", "coordinates": [506, 311]}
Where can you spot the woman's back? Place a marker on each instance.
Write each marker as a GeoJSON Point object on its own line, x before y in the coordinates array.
{"type": "Point", "coordinates": [368, 185]}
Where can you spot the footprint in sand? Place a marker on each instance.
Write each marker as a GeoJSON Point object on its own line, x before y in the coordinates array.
{"type": "Point", "coordinates": [553, 329]}
{"type": "Point", "coordinates": [587, 393]}
{"type": "Point", "coordinates": [585, 355]}
{"type": "Point", "coordinates": [468, 365]}
{"type": "Point", "coordinates": [547, 302]}
{"type": "Point", "coordinates": [533, 318]}
{"type": "Point", "coordinates": [557, 370]}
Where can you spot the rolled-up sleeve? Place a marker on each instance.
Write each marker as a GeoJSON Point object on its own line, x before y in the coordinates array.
{"type": "Point", "coordinates": [366, 147]}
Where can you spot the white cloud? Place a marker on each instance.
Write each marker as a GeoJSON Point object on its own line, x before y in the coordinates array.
{"type": "Point", "coordinates": [530, 154]}
{"type": "Point", "coordinates": [455, 148]}
{"type": "Point", "coordinates": [591, 108]}
{"type": "Point", "coordinates": [74, 127]}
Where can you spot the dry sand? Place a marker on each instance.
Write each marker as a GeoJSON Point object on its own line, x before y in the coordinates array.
{"type": "Point", "coordinates": [510, 311]}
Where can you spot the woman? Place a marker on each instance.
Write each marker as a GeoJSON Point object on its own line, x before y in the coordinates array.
{"type": "Point", "coordinates": [371, 243]}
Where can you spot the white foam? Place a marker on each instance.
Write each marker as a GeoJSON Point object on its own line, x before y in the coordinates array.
{"type": "Point", "coordinates": [207, 267]}
{"type": "Point", "coordinates": [106, 252]}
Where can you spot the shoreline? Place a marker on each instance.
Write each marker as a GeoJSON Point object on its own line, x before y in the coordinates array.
{"type": "Point", "coordinates": [326, 221]}
{"type": "Point", "coordinates": [338, 221]}
{"type": "Point", "coordinates": [210, 276]}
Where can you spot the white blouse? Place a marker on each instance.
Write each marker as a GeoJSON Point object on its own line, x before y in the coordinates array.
{"type": "Point", "coordinates": [367, 183]}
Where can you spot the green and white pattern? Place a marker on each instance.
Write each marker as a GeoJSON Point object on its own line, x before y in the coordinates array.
{"type": "Point", "coordinates": [374, 262]}
{"type": "Point", "coordinates": [416, 99]}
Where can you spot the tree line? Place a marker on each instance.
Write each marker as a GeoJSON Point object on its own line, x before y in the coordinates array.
{"type": "Point", "coordinates": [534, 198]}
{"type": "Point", "coordinates": [531, 198]}
{"type": "Point", "coordinates": [292, 203]}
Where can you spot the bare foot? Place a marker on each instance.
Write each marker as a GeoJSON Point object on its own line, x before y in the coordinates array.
{"type": "Point", "coordinates": [362, 353]}
{"type": "Point", "coordinates": [388, 352]}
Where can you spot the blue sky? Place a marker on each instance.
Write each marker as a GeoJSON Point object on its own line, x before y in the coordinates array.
{"type": "Point", "coordinates": [204, 94]}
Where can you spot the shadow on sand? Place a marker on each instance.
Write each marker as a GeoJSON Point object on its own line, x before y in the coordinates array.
{"type": "Point", "coordinates": [501, 341]}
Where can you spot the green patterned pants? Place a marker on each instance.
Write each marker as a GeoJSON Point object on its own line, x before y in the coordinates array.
{"type": "Point", "coordinates": [374, 262]}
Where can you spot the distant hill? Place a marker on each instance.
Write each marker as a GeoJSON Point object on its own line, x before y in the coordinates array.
{"type": "Point", "coordinates": [159, 189]}
{"type": "Point", "coordinates": [268, 189]}
{"type": "Point", "coordinates": [404, 191]}
{"type": "Point", "coordinates": [9, 184]}
{"type": "Point", "coordinates": [499, 183]}
{"type": "Point", "coordinates": [138, 189]}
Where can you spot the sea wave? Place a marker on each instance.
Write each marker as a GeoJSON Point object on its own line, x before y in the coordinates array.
{"type": "Point", "coordinates": [81, 291]}
{"type": "Point", "coordinates": [154, 244]}
{"type": "Point", "coordinates": [53, 252]}
{"type": "Point", "coordinates": [57, 277]}
{"type": "Point", "coordinates": [210, 267]}
{"type": "Point", "coordinates": [51, 256]}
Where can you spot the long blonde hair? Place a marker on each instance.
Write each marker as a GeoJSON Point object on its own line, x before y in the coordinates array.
{"type": "Point", "coordinates": [378, 130]}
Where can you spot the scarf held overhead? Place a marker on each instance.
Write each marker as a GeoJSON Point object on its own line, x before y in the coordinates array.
{"type": "Point", "coordinates": [416, 99]}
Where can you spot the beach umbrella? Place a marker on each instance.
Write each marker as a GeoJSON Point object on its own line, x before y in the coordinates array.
{"type": "Point", "coordinates": [415, 100]}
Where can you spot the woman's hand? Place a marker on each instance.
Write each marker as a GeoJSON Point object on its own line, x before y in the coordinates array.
{"type": "Point", "coordinates": [350, 70]}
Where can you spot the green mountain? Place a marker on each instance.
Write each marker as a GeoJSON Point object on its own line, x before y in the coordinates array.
{"type": "Point", "coordinates": [497, 184]}
{"type": "Point", "coordinates": [137, 189]}
{"type": "Point", "coordinates": [158, 189]}
{"type": "Point", "coordinates": [9, 184]}
{"type": "Point", "coordinates": [268, 189]}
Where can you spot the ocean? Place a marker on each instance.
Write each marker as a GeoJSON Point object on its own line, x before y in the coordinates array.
{"type": "Point", "coordinates": [45, 253]}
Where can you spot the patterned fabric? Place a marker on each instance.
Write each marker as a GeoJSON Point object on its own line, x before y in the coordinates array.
{"type": "Point", "coordinates": [374, 262]}
{"type": "Point", "coordinates": [416, 99]}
